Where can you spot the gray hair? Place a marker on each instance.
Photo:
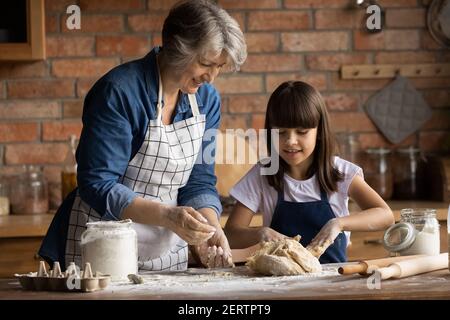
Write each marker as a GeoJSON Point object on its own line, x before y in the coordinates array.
{"type": "Point", "coordinates": [195, 27]}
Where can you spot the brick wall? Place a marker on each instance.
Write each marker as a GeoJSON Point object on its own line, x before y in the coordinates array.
{"type": "Point", "coordinates": [41, 102]}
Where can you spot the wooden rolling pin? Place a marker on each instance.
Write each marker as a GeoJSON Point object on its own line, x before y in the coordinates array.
{"type": "Point", "coordinates": [367, 266]}
{"type": "Point", "coordinates": [415, 266]}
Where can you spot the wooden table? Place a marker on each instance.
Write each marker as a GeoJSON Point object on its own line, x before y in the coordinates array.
{"type": "Point", "coordinates": [433, 285]}
{"type": "Point", "coordinates": [21, 236]}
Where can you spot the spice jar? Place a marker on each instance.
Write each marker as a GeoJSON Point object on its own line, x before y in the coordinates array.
{"type": "Point", "coordinates": [31, 193]}
{"type": "Point", "coordinates": [378, 171]}
{"type": "Point", "coordinates": [111, 248]}
{"type": "Point", "coordinates": [416, 233]}
{"type": "Point", "coordinates": [4, 197]}
{"type": "Point", "coordinates": [409, 174]}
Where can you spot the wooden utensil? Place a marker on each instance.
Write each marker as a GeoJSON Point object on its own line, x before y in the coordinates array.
{"type": "Point", "coordinates": [241, 255]}
{"type": "Point", "coordinates": [367, 266]}
{"type": "Point", "coordinates": [415, 266]}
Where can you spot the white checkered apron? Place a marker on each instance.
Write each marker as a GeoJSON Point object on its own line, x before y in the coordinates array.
{"type": "Point", "coordinates": [162, 165]}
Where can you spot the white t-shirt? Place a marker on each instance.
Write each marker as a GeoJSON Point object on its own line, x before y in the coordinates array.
{"type": "Point", "coordinates": [254, 191]}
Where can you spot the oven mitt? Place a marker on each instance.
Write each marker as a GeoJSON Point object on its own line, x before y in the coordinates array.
{"type": "Point", "coordinates": [398, 110]}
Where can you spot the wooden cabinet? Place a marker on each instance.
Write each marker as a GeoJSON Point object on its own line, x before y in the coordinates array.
{"type": "Point", "coordinates": [22, 30]}
{"type": "Point", "coordinates": [20, 239]}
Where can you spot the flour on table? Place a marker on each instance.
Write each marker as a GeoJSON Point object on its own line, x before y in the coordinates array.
{"type": "Point", "coordinates": [202, 282]}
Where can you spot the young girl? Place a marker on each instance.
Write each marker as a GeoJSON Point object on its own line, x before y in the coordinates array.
{"type": "Point", "coordinates": [309, 193]}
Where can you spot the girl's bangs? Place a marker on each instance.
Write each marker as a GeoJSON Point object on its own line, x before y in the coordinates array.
{"type": "Point", "coordinates": [291, 110]}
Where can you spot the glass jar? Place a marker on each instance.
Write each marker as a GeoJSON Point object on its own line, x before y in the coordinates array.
{"type": "Point", "coordinates": [409, 174]}
{"type": "Point", "coordinates": [416, 233]}
{"type": "Point", "coordinates": [111, 248]}
{"type": "Point", "coordinates": [30, 193]}
{"type": "Point", "coordinates": [378, 171]}
{"type": "Point", "coordinates": [349, 147]}
{"type": "Point", "coordinates": [69, 171]}
{"type": "Point", "coordinates": [4, 197]}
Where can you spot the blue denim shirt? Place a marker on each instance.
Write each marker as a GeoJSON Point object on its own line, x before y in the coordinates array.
{"type": "Point", "coordinates": [116, 114]}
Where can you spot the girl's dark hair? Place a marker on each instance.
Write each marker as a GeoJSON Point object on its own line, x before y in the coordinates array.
{"type": "Point", "coordinates": [296, 104]}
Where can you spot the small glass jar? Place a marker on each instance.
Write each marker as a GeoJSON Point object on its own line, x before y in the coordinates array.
{"type": "Point", "coordinates": [69, 171]}
{"type": "Point", "coordinates": [409, 174]}
{"type": "Point", "coordinates": [416, 233]}
{"type": "Point", "coordinates": [378, 171]}
{"type": "Point", "coordinates": [349, 147]}
{"type": "Point", "coordinates": [4, 197]}
{"type": "Point", "coordinates": [111, 248]}
{"type": "Point", "coordinates": [31, 193]}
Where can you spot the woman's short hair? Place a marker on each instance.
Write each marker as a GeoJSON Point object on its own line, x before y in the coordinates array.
{"type": "Point", "coordinates": [195, 27]}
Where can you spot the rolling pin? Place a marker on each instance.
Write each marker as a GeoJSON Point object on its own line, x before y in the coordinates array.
{"type": "Point", "coordinates": [367, 266]}
{"type": "Point", "coordinates": [415, 266]}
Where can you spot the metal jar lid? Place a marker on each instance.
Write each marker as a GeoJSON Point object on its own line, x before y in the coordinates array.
{"type": "Point", "coordinates": [399, 236]}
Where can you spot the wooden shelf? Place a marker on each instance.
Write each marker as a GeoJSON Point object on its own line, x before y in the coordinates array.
{"type": "Point", "coordinates": [34, 48]}
{"type": "Point", "coordinates": [374, 71]}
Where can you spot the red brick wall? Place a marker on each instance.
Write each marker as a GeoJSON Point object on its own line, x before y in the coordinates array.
{"type": "Point", "coordinates": [41, 102]}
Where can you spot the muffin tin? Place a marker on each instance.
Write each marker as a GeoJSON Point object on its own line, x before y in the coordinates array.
{"type": "Point", "coordinates": [73, 280]}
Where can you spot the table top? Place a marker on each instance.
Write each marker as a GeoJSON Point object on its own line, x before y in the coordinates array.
{"type": "Point", "coordinates": [229, 284]}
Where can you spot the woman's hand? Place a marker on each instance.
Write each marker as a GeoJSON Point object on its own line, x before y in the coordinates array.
{"type": "Point", "coordinates": [325, 237]}
{"type": "Point", "coordinates": [216, 252]}
{"type": "Point", "coordinates": [268, 234]}
{"type": "Point", "coordinates": [188, 224]}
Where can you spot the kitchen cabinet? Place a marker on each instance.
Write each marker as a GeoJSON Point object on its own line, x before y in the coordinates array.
{"type": "Point", "coordinates": [20, 240]}
{"type": "Point", "coordinates": [22, 30]}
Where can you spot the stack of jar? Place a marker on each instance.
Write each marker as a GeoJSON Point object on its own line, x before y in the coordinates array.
{"type": "Point", "coordinates": [378, 171]}
{"type": "Point", "coordinates": [409, 174]}
{"type": "Point", "coordinates": [399, 179]}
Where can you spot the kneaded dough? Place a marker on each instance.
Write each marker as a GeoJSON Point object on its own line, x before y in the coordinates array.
{"type": "Point", "coordinates": [283, 257]}
{"type": "Point", "coordinates": [319, 250]}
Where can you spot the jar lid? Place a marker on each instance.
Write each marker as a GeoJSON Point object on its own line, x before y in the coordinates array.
{"type": "Point", "coordinates": [417, 213]}
{"type": "Point", "coordinates": [110, 224]}
{"type": "Point", "coordinates": [399, 236]}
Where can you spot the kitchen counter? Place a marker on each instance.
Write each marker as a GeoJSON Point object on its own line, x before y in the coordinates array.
{"type": "Point", "coordinates": [211, 285]}
{"type": "Point", "coordinates": [21, 237]}
{"type": "Point", "coordinates": [37, 225]}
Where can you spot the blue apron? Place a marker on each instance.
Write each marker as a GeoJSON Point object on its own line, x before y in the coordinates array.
{"type": "Point", "coordinates": [307, 219]}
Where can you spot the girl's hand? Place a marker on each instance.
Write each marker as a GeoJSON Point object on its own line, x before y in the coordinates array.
{"type": "Point", "coordinates": [188, 224]}
{"type": "Point", "coordinates": [325, 237]}
{"type": "Point", "coordinates": [268, 234]}
{"type": "Point", "coordinates": [216, 252]}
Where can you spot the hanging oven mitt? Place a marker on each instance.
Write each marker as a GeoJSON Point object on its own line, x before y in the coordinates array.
{"type": "Point", "coordinates": [398, 110]}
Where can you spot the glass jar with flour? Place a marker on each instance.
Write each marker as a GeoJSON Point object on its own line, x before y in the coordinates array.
{"type": "Point", "coordinates": [111, 248]}
{"type": "Point", "coordinates": [416, 233]}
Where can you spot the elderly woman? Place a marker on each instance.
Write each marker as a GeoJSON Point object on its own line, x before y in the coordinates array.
{"type": "Point", "coordinates": [143, 132]}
